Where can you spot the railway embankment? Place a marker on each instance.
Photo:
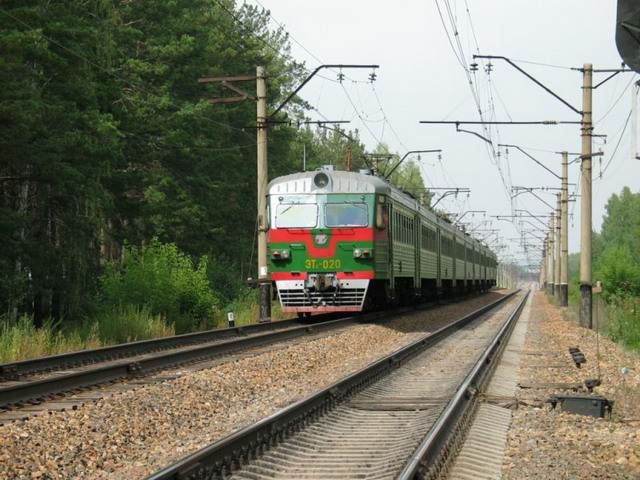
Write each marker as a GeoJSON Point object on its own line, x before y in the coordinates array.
{"type": "Point", "coordinates": [547, 443]}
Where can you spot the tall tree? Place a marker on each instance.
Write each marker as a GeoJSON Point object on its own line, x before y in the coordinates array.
{"type": "Point", "coordinates": [616, 248]}
{"type": "Point", "coordinates": [57, 144]}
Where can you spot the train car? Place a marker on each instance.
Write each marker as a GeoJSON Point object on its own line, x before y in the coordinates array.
{"type": "Point", "coordinates": [346, 241]}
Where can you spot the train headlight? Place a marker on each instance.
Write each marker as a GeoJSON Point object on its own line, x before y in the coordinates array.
{"type": "Point", "coordinates": [283, 254]}
{"type": "Point", "coordinates": [321, 180]}
{"type": "Point", "coordinates": [357, 253]}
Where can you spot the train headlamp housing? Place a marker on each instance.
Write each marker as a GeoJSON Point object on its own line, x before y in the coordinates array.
{"type": "Point", "coordinates": [284, 254]}
{"type": "Point", "coordinates": [362, 252]}
{"type": "Point", "coordinates": [321, 180]}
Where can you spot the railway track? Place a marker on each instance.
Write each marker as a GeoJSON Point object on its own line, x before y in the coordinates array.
{"type": "Point", "coordinates": [61, 382]}
{"type": "Point", "coordinates": [33, 382]}
{"type": "Point", "coordinates": [397, 418]}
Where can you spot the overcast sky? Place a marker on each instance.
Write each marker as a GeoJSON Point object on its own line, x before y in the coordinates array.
{"type": "Point", "coordinates": [424, 49]}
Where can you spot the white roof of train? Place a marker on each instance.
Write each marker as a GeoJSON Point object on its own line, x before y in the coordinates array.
{"type": "Point", "coordinates": [341, 182]}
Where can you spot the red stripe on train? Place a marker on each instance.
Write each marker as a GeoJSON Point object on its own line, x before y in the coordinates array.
{"type": "Point", "coordinates": [289, 235]}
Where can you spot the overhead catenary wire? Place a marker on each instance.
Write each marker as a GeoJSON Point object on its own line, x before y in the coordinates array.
{"type": "Point", "coordinates": [615, 150]}
{"type": "Point", "coordinates": [460, 55]}
{"type": "Point", "coordinates": [360, 113]}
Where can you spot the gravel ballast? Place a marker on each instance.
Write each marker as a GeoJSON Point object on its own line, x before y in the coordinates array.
{"type": "Point", "coordinates": [133, 434]}
{"type": "Point", "coordinates": [546, 443]}
{"type": "Point", "coordinates": [136, 433]}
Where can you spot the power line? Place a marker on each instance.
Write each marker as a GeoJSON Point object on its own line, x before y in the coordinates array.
{"type": "Point", "coordinates": [616, 102]}
{"type": "Point", "coordinates": [615, 150]}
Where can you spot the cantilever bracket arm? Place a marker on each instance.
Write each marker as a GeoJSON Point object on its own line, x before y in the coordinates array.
{"type": "Point", "coordinates": [532, 158]}
{"type": "Point", "coordinates": [405, 156]}
{"type": "Point", "coordinates": [534, 80]}
{"type": "Point", "coordinates": [310, 77]}
{"type": "Point", "coordinates": [458, 129]}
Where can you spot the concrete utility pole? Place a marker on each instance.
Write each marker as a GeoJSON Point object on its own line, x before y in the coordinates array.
{"type": "Point", "coordinates": [264, 282]}
{"type": "Point", "coordinates": [564, 241]}
{"type": "Point", "coordinates": [551, 252]}
{"type": "Point", "coordinates": [585, 228]}
{"type": "Point", "coordinates": [558, 233]}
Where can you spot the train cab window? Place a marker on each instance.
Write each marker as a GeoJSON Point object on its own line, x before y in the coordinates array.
{"type": "Point", "coordinates": [382, 216]}
{"type": "Point", "coordinates": [346, 215]}
{"type": "Point", "coordinates": [297, 215]}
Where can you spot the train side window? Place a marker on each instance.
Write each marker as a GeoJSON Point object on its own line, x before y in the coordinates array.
{"type": "Point", "coordinates": [382, 216]}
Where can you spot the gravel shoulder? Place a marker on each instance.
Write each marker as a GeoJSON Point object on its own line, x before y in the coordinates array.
{"type": "Point", "coordinates": [135, 433]}
{"type": "Point", "coordinates": [545, 443]}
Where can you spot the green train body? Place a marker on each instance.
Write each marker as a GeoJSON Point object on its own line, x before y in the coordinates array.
{"type": "Point", "coordinates": [346, 241]}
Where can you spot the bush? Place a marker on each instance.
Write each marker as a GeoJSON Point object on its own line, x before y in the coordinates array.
{"type": "Point", "coordinates": [226, 280]}
{"type": "Point", "coordinates": [164, 279]}
{"type": "Point", "coordinates": [623, 315]}
{"type": "Point", "coordinates": [618, 272]}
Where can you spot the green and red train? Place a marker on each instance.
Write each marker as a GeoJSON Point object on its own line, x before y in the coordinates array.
{"type": "Point", "coordinates": [346, 241]}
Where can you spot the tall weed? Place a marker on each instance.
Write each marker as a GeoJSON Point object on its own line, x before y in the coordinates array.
{"type": "Point", "coordinates": [20, 340]}
{"type": "Point", "coordinates": [130, 323]}
{"type": "Point", "coordinates": [623, 318]}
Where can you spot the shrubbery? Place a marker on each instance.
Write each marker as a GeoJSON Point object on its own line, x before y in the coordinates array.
{"type": "Point", "coordinates": [164, 279]}
{"type": "Point", "coordinates": [623, 317]}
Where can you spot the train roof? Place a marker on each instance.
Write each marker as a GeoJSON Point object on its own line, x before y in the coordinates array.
{"type": "Point", "coordinates": [340, 182]}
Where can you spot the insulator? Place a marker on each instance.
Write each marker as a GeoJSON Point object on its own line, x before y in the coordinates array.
{"type": "Point", "coordinates": [474, 67]}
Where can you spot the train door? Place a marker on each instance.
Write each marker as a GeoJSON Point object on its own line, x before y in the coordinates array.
{"type": "Point", "coordinates": [438, 260]}
{"type": "Point", "coordinates": [392, 244]}
{"type": "Point", "coordinates": [417, 242]}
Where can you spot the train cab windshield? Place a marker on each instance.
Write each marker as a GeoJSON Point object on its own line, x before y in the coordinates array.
{"type": "Point", "coordinates": [312, 212]}
{"type": "Point", "coordinates": [346, 215]}
{"type": "Point", "coordinates": [297, 215]}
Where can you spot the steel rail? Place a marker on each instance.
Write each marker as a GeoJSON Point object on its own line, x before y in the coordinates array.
{"type": "Point", "coordinates": [219, 459]}
{"type": "Point", "coordinates": [229, 339]}
{"type": "Point", "coordinates": [39, 390]}
{"type": "Point", "coordinates": [15, 370]}
{"type": "Point", "coordinates": [428, 456]}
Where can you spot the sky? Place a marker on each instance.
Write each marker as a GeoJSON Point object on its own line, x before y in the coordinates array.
{"type": "Point", "coordinates": [424, 50]}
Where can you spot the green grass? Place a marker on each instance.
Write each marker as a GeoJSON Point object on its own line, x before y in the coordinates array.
{"type": "Point", "coordinates": [129, 324]}
{"type": "Point", "coordinates": [21, 340]}
{"type": "Point", "coordinates": [623, 322]}
{"type": "Point", "coordinates": [616, 317]}
{"type": "Point", "coordinates": [246, 311]}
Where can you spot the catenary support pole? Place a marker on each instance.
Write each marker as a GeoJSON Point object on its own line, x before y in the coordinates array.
{"type": "Point", "coordinates": [558, 252]}
{"type": "Point", "coordinates": [585, 228]}
{"type": "Point", "coordinates": [551, 253]}
{"type": "Point", "coordinates": [564, 241]}
{"type": "Point", "coordinates": [264, 283]}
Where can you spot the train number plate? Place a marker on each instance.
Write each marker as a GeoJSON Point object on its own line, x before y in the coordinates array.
{"type": "Point", "coordinates": [325, 264]}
